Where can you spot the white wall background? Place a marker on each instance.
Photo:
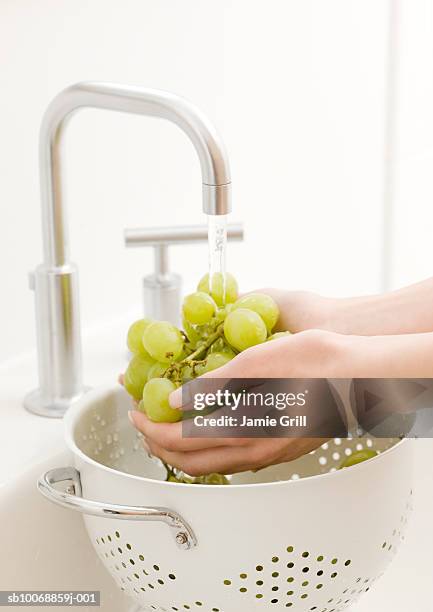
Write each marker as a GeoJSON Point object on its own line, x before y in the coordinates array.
{"type": "Point", "coordinates": [413, 216]}
{"type": "Point", "coordinates": [297, 88]}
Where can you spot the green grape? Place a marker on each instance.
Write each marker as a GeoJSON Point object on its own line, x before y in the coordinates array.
{"type": "Point", "coordinates": [278, 335]}
{"type": "Point", "coordinates": [156, 370]}
{"type": "Point", "coordinates": [217, 346]}
{"type": "Point", "coordinates": [358, 457]}
{"type": "Point", "coordinates": [213, 361]}
{"type": "Point", "coordinates": [136, 375]}
{"type": "Point", "coordinates": [216, 479]}
{"type": "Point", "coordinates": [222, 313]}
{"type": "Point", "coordinates": [155, 401]}
{"type": "Point", "coordinates": [192, 334]}
{"type": "Point", "coordinates": [183, 354]}
{"type": "Point", "coordinates": [211, 479]}
{"type": "Point", "coordinates": [244, 328]}
{"type": "Point", "coordinates": [181, 479]}
{"type": "Point", "coordinates": [198, 308]}
{"type": "Point", "coordinates": [227, 350]}
{"type": "Point", "coordinates": [263, 305]}
{"type": "Point", "coordinates": [220, 346]}
{"type": "Point", "coordinates": [205, 331]}
{"type": "Point", "coordinates": [184, 478]}
{"type": "Point", "coordinates": [135, 336]}
{"type": "Point", "coordinates": [217, 292]}
{"type": "Point", "coordinates": [163, 341]}
{"type": "Point", "coordinates": [187, 374]}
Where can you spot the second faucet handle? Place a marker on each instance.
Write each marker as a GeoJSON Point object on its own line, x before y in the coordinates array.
{"type": "Point", "coordinates": [162, 289]}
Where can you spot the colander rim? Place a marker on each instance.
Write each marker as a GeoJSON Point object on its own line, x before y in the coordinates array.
{"type": "Point", "coordinates": [72, 416]}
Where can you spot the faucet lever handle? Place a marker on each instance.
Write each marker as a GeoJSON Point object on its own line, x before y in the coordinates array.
{"type": "Point", "coordinates": [177, 234]}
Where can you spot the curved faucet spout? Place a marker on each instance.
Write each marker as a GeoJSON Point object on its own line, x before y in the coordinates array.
{"type": "Point", "coordinates": [149, 102]}
{"type": "Point", "coordinates": [55, 282]}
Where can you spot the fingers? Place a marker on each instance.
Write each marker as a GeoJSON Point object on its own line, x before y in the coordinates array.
{"type": "Point", "coordinates": [169, 435]}
{"type": "Point", "coordinates": [223, 460]}
{"type": "Point", "coordinates": [225, 456]}
{"type": "Point", "coordinates": [231, 460]}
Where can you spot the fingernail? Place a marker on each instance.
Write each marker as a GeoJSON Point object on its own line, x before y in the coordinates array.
{"type": "Point", "coordinates": [175, 398]}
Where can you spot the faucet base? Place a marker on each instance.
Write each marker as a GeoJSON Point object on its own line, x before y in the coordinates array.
{"type": "Point", "coordinates": [36, 403]}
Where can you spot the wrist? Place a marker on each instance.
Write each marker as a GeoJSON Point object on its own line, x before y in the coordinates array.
{"type": "Point", "coordinates": [333, 355]}
{"type": "Point", "coordinates": [351, 316]}
{"type": "Point", "coordinates": [399, 356]}
{"type": "Point", "coordinates": [303, 310]}
{"type": "Point", "coordinates": [394, 356]}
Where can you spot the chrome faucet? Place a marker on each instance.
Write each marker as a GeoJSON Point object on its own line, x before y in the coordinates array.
{"type": "Point", "coordinates": [55, 281]}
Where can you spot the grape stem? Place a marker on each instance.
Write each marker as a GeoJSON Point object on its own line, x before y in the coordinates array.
{"type": "Point", "coordinates": [192, 357]}
{"type": "Point", "coordinates": [201, 351]}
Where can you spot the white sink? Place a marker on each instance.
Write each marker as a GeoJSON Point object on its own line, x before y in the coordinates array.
{"type": "Point", "coordinates": [46, 547]}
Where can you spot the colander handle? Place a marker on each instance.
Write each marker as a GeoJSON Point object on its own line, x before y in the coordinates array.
{"type": "Point", "coordinates": [72, 499]}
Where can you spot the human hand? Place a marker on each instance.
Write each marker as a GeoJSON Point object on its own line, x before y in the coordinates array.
{"type": "Point", "coordinates": [305, 355]}
{"type": "Point", "coordinates": [302, 310]}
{"type": "Point", "coordinates": [404, 311]}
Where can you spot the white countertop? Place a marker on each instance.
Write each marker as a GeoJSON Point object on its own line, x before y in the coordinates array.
{"type": "Point", "coordinates": [40, 437]}
{"type": "Point", "coordinates": [26, 439]}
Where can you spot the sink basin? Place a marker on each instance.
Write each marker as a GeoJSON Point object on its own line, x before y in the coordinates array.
{"type": "Point", "coordinates": [48, 548]}
{"type": "Point", "coordinates": [45, 547]}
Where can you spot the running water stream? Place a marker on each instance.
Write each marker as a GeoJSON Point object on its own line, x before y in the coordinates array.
{"type": "Point", "coordinates": [217, 241]}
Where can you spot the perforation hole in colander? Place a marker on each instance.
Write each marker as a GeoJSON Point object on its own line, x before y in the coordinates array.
{"type": "Point", "coordinates": [275, 583]}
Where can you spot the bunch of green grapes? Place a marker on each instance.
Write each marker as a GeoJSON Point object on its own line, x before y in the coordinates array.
{"type": "Point", "coordinates": [217, 325]}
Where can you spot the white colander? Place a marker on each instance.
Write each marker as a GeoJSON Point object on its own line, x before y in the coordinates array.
{"type": "Point", "coordinates": [301, 535]}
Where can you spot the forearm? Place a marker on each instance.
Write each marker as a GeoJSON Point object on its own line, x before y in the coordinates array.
{"type": "Point", "coordinates": [392, 356]}
{"type": "Point", "coordinates": [406, 311]}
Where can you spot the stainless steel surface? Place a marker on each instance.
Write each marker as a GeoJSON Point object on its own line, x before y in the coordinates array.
{"type": "Point", "coordinates": [161, 260]}
{"type": "Point", "coordinates": [56, 280]}
{"type": "Point", "coordinates": [162, 289]}
{"type": "Point", "coordinates": [72, 499]}
{"type": "Point", "coordinates": [177, 234]}
{"type": "Point", "coordinates": [162, 296]}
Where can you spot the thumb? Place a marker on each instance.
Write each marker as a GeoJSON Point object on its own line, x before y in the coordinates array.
{"type": "Point", "coordinates": [209, 382]}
